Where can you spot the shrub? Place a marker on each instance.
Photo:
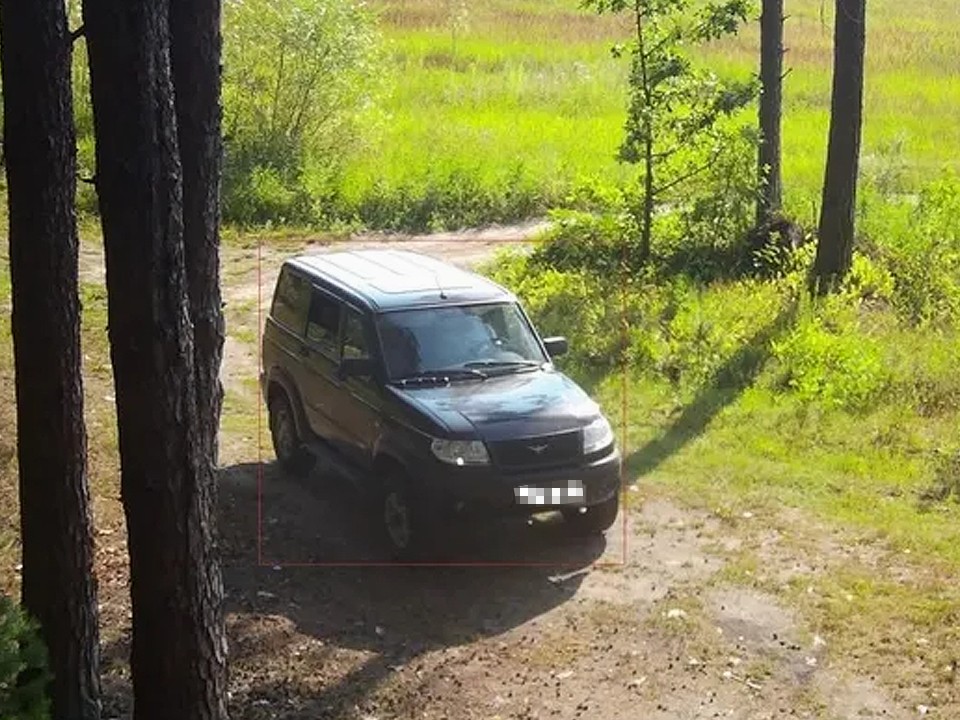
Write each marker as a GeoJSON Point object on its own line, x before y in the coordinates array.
{"type": "Point", "coordinates": [702, 235]}
{"type": "Point", "coordinates": [845, 352]}
{"type": "Point", "coordinates": [676, 329]}
{"type": "Point", "coordinates": [298, 74]}
{"type": "Point", "coordinates": [582, 241]}
{"type": "Point", "coordinates": [265, 196]}
{"type": "Point", "coordinates": [558, 301]}
{"type": "Point", "coordinates": [920, 248]}
{"type": "Point", "coordinates": [869, 280]}
{"type": "Point", "coordinates": [825, 359]}
{"type": "Point", "coordinates": [23, 666]}
{"type": "Point", "coordinates": [440, 197]}
{"type": "Point", "coordinates": [715, 215]}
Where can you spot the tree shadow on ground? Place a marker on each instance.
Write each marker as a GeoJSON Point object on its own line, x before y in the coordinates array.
{"type": "Point", "coordinates": [354, 626]}
{"type": "Point", "coordinates": [314, 641]}
{"type": "Point", "coordinates": [726, 385]}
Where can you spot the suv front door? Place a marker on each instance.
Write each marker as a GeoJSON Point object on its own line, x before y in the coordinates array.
{"type": "Point", "coordinates": [358, 410]}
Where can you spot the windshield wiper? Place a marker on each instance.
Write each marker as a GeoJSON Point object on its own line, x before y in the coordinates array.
{"type": "Point", "coordinates": [444, 374]}
{"type": "Point", "coordinates": [503, 364]}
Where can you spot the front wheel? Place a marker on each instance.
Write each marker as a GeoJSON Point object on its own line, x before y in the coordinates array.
{"type": "Point", "coordinates": [595, 520]}
{"type": "Point", "coordinates": [406, 529]}
{"type": "Point", "coordinates": [293, 457]}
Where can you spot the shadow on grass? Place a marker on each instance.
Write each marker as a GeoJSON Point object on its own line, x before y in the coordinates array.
{"type": "Point", "coordinates": [724, 387]}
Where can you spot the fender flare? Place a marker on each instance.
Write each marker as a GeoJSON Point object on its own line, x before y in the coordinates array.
{"type": "Point", "coordinates": [279, 380]}
{"type": "Point", "coordinates": [387, 451]}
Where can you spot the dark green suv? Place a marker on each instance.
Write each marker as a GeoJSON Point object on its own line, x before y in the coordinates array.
{"type": "Point", "coordinates": [431, 389]}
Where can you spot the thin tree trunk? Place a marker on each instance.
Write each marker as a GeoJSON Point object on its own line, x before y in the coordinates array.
{"type": "Point", "coordinates": [58, 582]}
{"type": "Point", "coordinates": [649, 201]}
{"type": "Point", "coordinates": [771, 109]}
{"type": "Point", "coordinates": [178, 658]}
{"type": "Point", "coordinates": [646, 230]}
{"type": "Point", "coordinates": [836, 232]}
{"type": "Point", "coordinates": [195, 59]}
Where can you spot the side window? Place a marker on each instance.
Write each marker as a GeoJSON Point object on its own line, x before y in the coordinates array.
{"type": "Point", "coordinates": [323, 323]}
{"type": "Point", "coordinates": [354, 338]}
{"type": "Point", "coordinates": [290, 300]}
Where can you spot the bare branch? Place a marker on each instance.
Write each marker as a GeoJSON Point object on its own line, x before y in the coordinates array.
{"type": "Point", "coordinates": [300, 111]}
{"type": "Point", "coordinates": [686, 176]}
{"type": "Point", "coordinates": [664, 154]}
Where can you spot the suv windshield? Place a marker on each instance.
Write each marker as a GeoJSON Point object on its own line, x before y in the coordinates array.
{"type": "Point", "coordinates": [418, 342]}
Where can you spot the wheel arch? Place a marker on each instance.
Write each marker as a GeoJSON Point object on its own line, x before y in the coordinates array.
{"type": "Point", "coordinates": [279, 383]}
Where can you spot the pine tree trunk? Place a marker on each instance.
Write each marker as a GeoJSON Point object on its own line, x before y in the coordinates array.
{"type": "Point", "coordinates": [836, 233]}
{"type": "Point", "coordinates": [649, 165]}
{"type": "Point", "coordinates": [178, 658]}
{"type": "Point", "coordinates": [195, 59]}
{"type": "Point", "coordinates": [58, 587]}
{"type": "Point", "coordinates": [771, 109]}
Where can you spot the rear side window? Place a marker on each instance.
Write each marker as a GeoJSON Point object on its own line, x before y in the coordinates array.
{"type": "Point", "coordinates": [290, 301]}
{"type": "Point", "coordinates": [323, 323]}
{"type": "Point", "coordinates": [354, 337]}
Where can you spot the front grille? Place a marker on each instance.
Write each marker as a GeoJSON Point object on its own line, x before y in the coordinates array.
{"type": "Point", "coordinates": [538, 452]}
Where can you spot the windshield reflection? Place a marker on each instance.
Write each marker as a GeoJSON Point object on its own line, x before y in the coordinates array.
{"type": "Point", "coordinates": [494, 336]}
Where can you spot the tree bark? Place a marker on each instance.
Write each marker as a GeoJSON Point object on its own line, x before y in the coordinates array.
{"type": "Point", "coordinates": [771, 109]}
{"type": "Point", "coordinates": [836, 232]}
{"type": "Point", "coordinates": [178, 658]}
{"type": "Point", "coordinates": [58, 582]}
{"type": "Point", "coordinates": [195, 59]}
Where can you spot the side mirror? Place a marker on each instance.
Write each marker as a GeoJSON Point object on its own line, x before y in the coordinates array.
{"type": "Point", "coordinates": [556, 346]}
{"type": "Point", "coordinates": [356, 367]}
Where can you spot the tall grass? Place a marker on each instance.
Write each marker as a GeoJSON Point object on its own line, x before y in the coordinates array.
{"type": "Point", "coordinates": [491, 130]}
{"type": "Point", "coordinates": [519, 106]}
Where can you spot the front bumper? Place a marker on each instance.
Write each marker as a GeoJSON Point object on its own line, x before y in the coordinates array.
{"type": "Point", "coordinates": [491, 491]}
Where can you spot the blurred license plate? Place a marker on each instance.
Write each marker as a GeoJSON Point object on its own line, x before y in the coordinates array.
{"type": "Point", "coordinates": [570, 493]}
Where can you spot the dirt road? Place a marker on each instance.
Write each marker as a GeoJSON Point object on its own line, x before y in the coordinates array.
{"type": "Point", "coordinates": [649, 623]}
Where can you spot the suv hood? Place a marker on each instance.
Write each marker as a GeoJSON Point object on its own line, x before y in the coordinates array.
{"type": "Point", "coordinates": [516, 405]}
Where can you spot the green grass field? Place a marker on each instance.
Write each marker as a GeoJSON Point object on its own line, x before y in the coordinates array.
{"type": "Point", "coordinates": [526, 96]}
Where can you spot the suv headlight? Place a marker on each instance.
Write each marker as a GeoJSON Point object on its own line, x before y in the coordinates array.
{"type": "Point", "coordinates": [597, 436]}
{"type": "Point", "coordinates": [461, 452]}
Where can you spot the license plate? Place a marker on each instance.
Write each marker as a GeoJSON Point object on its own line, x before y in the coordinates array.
{"type": "Point", "coordinates": [570, 493]}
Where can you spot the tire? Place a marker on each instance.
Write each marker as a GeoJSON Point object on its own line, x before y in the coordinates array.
{"type": "Point", "coordinates": [596, 520]}
{"type": "Point", "coordinates": [291, 453]}
{"type": "Point", "coordinates": [406, 530]}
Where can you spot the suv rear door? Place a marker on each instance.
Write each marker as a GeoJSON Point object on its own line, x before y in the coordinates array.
{"type": "Point", "coordinates": [283, 345]}
{"type": "Point", "coordinates": [321, 360]}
